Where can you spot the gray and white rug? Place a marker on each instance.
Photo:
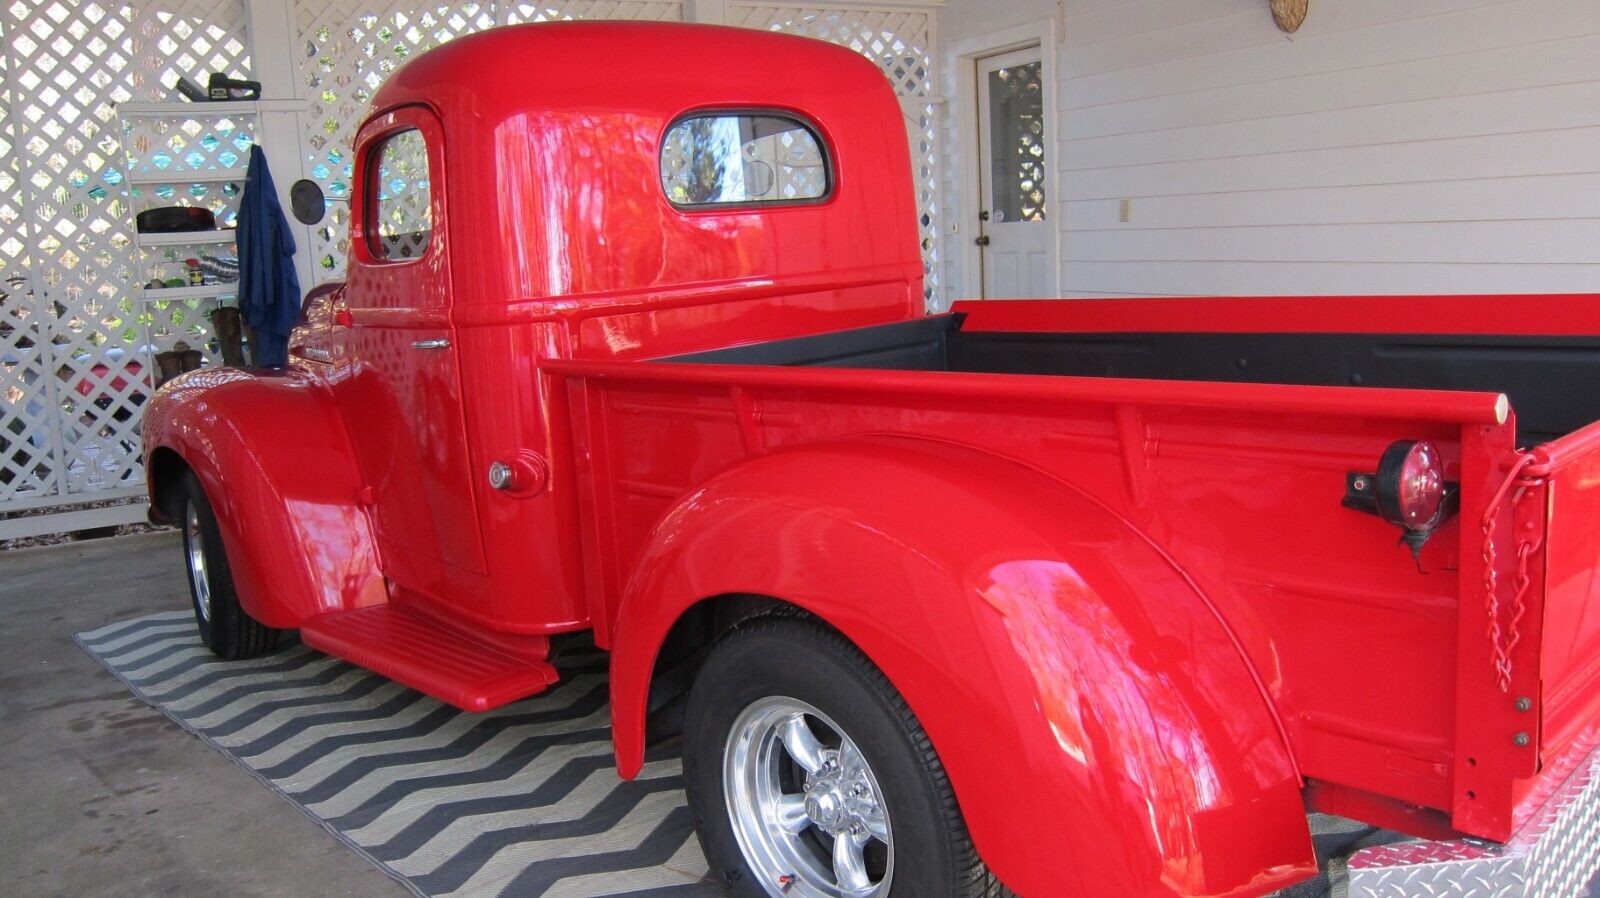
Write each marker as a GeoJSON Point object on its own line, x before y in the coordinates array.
{"type": "Point", "coordinates": [523, 801]}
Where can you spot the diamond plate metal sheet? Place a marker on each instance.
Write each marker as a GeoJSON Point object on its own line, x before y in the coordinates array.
{"type": "Point", "coordinates": [1553, 855]}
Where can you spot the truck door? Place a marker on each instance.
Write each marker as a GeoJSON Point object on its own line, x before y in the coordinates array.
{"type": "Point", "coordinates": [398, 381]}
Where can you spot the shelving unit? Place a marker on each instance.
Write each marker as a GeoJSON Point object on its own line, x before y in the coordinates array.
{"type": "Point", "coordinates": [224, 175]}
{"type": "Point", "coordinates": [186, 153]}
{"type": "Point", "coordinates": [204, 291]}
{"type": "Point", "coordinates": [187, 238]}
{"type": "Point", "coordinates": [214, 109]}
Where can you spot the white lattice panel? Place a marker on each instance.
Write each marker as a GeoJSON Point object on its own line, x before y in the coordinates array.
{"type": "Point", "coordinates": [172, 321]}
{"type": "Point", "coordinates": [76, 370]}
{"type": "Point", "coordinates": [195, 145]}
{"type": "Point", "coordinates": [189, 159]}
{"type": "Point", "coordinates": [26, 450]}
{"type": "Point", "coordinates": [351, 46]}
{"type": "Point", "coordinates": [899, 41]}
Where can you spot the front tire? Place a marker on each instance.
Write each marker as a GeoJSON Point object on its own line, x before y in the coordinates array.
{"type": "Point", "coordinates": [224, 625]}
{"type": "Point", "coordinates": [809, 777]}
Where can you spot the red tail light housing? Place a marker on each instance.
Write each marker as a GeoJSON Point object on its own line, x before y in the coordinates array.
{"type": "Point", "coordinates": [1408, 490]}
{"type": "Point", "coordinates": [1410, 485]}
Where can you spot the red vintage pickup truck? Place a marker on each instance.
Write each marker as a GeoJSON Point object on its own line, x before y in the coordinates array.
{"type": "Point", "coordinates": [1066, 598]}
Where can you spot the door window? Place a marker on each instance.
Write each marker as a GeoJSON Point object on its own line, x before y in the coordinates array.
{"type": "Point", "coordinates": [726, 159]}
{"type": "Point", "coordinates": [1016, 122]}
{"type": "Point", "coordinates": [401, 198]}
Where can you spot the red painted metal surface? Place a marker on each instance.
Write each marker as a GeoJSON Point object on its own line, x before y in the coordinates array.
{"type": "Point", "coordinates": [279, 470]}
{"type": "Point", "coordinates": [1208, 472]}
{"type": "Point", "coordinates": [1569, 519]}
{"type": "Point", "coordinates": [1541, 314]}
{"type": "Point", "coordinates": [1132, 615]}
{"type": "Point", "coordinates": [456, 668]}
{"type": "Point", "coordinates": [1081, 691]}
{"type": "Point", "coordinates": [405, 399]}
{"type": "Point", "coordinates": [553, 239]}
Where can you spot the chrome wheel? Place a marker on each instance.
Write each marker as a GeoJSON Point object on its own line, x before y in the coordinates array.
{"type": "Point", "coordinates": [805, 805]}
{"type": "Point", "coordinates": [195, 543]}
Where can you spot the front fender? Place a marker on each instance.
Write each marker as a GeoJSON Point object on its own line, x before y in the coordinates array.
{"type": "Point", "coordinates": [272, 454]}
{"type": "Point", "coordinates": [1104, 733]}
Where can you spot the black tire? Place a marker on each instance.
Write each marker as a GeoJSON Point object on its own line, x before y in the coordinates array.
{"type": "Point", "coordinates": [798, 658]}
{"type": "Point", "coordinates": [227, 630]}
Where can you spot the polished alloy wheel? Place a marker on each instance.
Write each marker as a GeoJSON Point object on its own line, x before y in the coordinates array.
{"type": "Point", "coordinates": [196, 544]}
{"type": "Point", "coordinates": [805, 805]}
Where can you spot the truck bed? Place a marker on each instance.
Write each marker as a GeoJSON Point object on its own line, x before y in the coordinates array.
{"type": "Point", "coordinates": [1185, 427]}
{"type": "Point", "coordinates": [1553, 381]}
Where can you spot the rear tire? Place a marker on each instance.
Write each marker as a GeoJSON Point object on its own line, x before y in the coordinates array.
{"type": "Point", "coordinates": [224, 625]}
{"type": "Point", "coordinates": [857, 766]}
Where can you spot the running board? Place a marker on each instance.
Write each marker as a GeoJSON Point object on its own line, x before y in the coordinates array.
{"type": "Point", "coordinates": [453, 667]}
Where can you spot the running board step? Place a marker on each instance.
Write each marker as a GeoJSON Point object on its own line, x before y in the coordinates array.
{"type": "Point", "coordinates": [455, 668]}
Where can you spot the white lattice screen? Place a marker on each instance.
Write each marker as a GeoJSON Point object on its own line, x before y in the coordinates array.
{"type": "Point", "coordinates": [72, 364]}
{"type": "Point", "coordinates": [350, 46]}
{"type": "Point", "coordinates": [75, 340]}
{"type": "Point", "coordinates": [900, 42]}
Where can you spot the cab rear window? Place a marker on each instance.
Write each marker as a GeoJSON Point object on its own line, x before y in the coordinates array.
{"type": "Point", "coordinates": [738, 159]}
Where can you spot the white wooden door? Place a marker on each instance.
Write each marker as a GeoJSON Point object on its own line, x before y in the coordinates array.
{"type": "Point", "coordinates": [1014, 233]}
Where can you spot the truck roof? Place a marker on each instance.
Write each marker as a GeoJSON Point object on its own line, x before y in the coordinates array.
{"type": "Point", "coordinates": [648, 67]}
{"type": "Point", "coordinates": [553, 154]}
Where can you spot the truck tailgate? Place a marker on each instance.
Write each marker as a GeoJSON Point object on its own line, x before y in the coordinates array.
{"type": "Point", "coordinates": [1570, 660]}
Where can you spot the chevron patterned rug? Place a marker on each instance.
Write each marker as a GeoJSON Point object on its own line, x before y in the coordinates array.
{"type": "Point", "coordinates": [520, 801]}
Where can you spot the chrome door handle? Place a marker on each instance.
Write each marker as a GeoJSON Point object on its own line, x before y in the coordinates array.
{"type": "Point", "coordinates": [440, 343]}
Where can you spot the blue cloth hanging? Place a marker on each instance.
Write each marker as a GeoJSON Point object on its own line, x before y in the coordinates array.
{"type": "Point", "coordinates": [269, 288]}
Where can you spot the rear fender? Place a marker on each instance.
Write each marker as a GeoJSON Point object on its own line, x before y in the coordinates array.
{"type": "Point", "coordinates": [273, 457]}
{"type": "Point", "coordinates": [1103, 731]}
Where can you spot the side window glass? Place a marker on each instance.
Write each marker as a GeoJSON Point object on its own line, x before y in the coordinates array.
{"type": "Point", "coordinates": [723, 159]}
{"type": "Point", "coordinates": [398, 191]}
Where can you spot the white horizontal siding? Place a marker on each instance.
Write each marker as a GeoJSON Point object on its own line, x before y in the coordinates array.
{"type": "Point", "coordinates": [1432, 146]}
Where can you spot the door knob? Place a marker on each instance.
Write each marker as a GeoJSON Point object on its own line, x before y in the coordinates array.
{"type": "Point", "coordinates": [440, 343]}
{"type": "Point", "coordinates": [982, 240]}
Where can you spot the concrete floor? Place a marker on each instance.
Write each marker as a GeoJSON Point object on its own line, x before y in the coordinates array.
{"type": "Point", "coordinates": [102, 794]}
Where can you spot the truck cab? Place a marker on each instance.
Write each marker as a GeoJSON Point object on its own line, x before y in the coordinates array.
{"type": "Point", "coordinates": [1054, 597]}
{"type": "Point", "coordinates": [501, 224]}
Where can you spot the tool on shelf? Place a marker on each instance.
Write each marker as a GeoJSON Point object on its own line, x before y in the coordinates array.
{"type": "Point", "coordinates": [173, 219]}
{"type": "Point", "coordinates": [221, 87]}
{"type": "Point", "coordinates": [190, 90]}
